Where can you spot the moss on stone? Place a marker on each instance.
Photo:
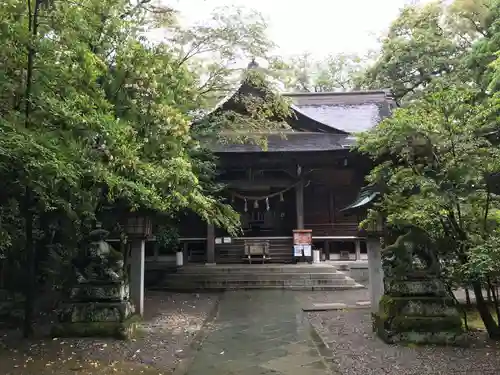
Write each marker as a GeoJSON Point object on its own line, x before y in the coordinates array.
{"type": "Point", "coordinates": [119, 330]}
{"type": "Point", "coordinates": [417, 305]}
{"type": "Point", "coordinates": [419, 331]}
{"type": "Point", "coordinates": [426, 324]}
{"type": "Point", "coordinates": [402, 288]}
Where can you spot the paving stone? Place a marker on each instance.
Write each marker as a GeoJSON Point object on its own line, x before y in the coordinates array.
{"type": "Point", "coordinates": [259, 333]}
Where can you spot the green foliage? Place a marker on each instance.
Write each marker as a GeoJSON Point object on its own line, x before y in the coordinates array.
{"type": "Point", "coordinates": [336, 72]}
{"type": "Point", "coordinates": [438, 171]}
{"type": "Point", "coordinates": [215, 48]}
{"type": "Point", "coordinates": [167, 236]}
{"type": "Point", "coordinates": [435, 40]}
{"type": "Point", "coordinates": [249, 115]}
{"type": "Point", "coordinates": [93, 115]}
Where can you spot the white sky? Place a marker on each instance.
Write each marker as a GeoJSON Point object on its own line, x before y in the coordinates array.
{"type": "Point", "coordinates": [316, 26]}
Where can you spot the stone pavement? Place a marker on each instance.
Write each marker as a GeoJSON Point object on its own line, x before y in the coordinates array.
{"type": "Point", "coordinates": [260, 333]}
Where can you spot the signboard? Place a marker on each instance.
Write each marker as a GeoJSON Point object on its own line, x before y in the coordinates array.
{"type": "Point", "coordinates": [302, 250]}
{"type": "Point", "coordinates": [297, 250]}
{"type": "Point", "coordinates": [302, 242]}
{"type": "Point", "coordinates": [302, 237]}
{"type": "Point", "coordinates": [307, 250]}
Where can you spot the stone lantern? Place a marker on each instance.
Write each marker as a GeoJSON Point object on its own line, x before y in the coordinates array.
{"type": "Point", "coordinates": [138, 227]}
{"type": "Point", "coordinates": [374, 233]}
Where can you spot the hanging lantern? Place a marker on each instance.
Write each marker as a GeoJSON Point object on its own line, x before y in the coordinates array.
{"type": "Point", "coordinates": [246, 206]}
{"type": "Point", "coordinates": [282, 199]}
{"type": "Point", "coordinates": [267, 204]}
{"type": "Point", "coordinates": [256, 204]}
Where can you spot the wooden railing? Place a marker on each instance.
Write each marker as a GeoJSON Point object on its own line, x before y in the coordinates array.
{"type": "Point", "coordinates": [334, 229]}
{"type": "Point", "coordinates": [280, 249]}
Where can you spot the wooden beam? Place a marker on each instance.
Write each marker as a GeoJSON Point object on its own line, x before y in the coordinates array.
{"type": "Point", "coordinates": [299, 203]}
{"type": "Point", "coordinates": [259, 183]}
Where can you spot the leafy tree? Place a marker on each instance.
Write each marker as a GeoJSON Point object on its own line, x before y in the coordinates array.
{"type": "Point", "coordinates": [214, 49]}
{"type": "Point", "coordinates": [437, 167]}
{"type": "Point", "coordinates": [91, 115]}
{"type": "Point", "coordinates": [435, 40]}
{"type": "Point", "coordinates": [336, 72]}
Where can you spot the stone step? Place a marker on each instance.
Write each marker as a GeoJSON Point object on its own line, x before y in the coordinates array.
{"type": "Point", "coordinates": [233, 286]}
{"type": "Point", "coordinates": [256, 269]}
{"type": "Point", "coordinates": [305, 283]}
{"type": "Point", "coordinates": [259, 276]}
{"type": "Point", "coordinates": [346, 281]}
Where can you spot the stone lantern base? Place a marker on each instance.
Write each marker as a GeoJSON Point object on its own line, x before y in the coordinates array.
{"type": "Point", "coordinates": [418, 310]}
{"type": "Point", "coordinates": [97, 309]}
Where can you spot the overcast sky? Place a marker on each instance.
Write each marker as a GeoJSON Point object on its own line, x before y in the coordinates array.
{"type": "Point", "coordinates": [317, 26]}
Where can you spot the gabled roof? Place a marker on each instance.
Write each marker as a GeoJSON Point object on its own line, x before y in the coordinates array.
{"type": "Point", "coordinates": [348, 112]}
{"type": "Point", "coordinates": [320, 121]}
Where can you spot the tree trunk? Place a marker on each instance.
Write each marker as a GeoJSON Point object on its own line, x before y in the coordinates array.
{"type": "Point", "coordinates": [498, 315]}
{"type": "Point", "coordinates": [29, 293]}
{"type": "Point", "coordinates": [494, 294]}
{"type": "Point", "coordinates": [488, 293]}
{"type": "Point", "coordinates": [467, 296]}
{"type": "Point", "coordinates": [484, 311]}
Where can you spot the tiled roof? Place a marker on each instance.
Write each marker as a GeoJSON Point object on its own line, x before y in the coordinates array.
{"type": "Point", "coordinates": [293, 142]}
{"type": "Point", "coordinates": [349, 112]}
{"type": "Point", "coordinates": [324, 122]}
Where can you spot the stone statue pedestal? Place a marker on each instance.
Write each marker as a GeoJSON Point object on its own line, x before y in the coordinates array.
{"type": "Point", "coordinates": [416, 306]}
{"type": "Point", "coordinates": [97, 303]}
{"type": "Point", "coordinates": [96, 309]}
{"type": "Point", "coordinates": [418, 310]}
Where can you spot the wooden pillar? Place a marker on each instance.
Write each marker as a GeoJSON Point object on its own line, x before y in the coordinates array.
{"type": "Point", "coordinates": [210, 244]}
{"type": "Point", "coordinates": [137, 274]}
{"type": "Point", "coordinates": [299, 204]}
{"type": "Point", "coordinates": [357, 245]}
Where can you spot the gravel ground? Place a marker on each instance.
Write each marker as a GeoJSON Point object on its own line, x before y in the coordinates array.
{"type": "Point", "coordinates": [357, 351]}
{"type": "Point", "coordinates": [170, 323]}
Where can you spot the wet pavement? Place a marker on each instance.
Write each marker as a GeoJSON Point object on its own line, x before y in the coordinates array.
{"type": "Point", "coordinates": [260, 333]}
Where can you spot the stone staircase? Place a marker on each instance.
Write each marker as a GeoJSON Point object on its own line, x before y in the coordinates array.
{"type": "Point", "coordinates": [258, 276]}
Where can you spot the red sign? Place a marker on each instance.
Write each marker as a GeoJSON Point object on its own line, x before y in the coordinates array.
{"type": "Point", "coordinates": [302, 237]}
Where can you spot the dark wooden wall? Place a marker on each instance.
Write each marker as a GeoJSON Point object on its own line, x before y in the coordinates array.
{"type": "Point", "coordinates": [333, 182]}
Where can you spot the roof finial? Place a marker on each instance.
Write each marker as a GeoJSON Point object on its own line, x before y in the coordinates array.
{"type": "Point", "coordinates": [253, 64]}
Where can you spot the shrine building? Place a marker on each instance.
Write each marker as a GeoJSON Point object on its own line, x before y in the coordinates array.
{"type": "Point", "coordinates": [309, 177]}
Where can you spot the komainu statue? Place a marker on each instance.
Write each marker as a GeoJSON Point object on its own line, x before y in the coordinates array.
{"type": "Point", "coordinates": [416, 306]}
{"type": "Point", "coordinates": [413, 252]}
{"type": "Point", "coordinates": [97, 303]}
{"type": "Point", "coordinates": [100, 262]}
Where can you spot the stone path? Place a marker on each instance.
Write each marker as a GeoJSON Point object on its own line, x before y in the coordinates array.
{"type": "Point", "coordinates": [259, 333]}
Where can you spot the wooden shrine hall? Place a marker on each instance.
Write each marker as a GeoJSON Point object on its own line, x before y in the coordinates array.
{"type": "Point", "coordinates": [305, 179]}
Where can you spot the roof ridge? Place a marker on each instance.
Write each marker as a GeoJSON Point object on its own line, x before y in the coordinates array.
{"type": "Point", "coordinates": [387, 92]}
